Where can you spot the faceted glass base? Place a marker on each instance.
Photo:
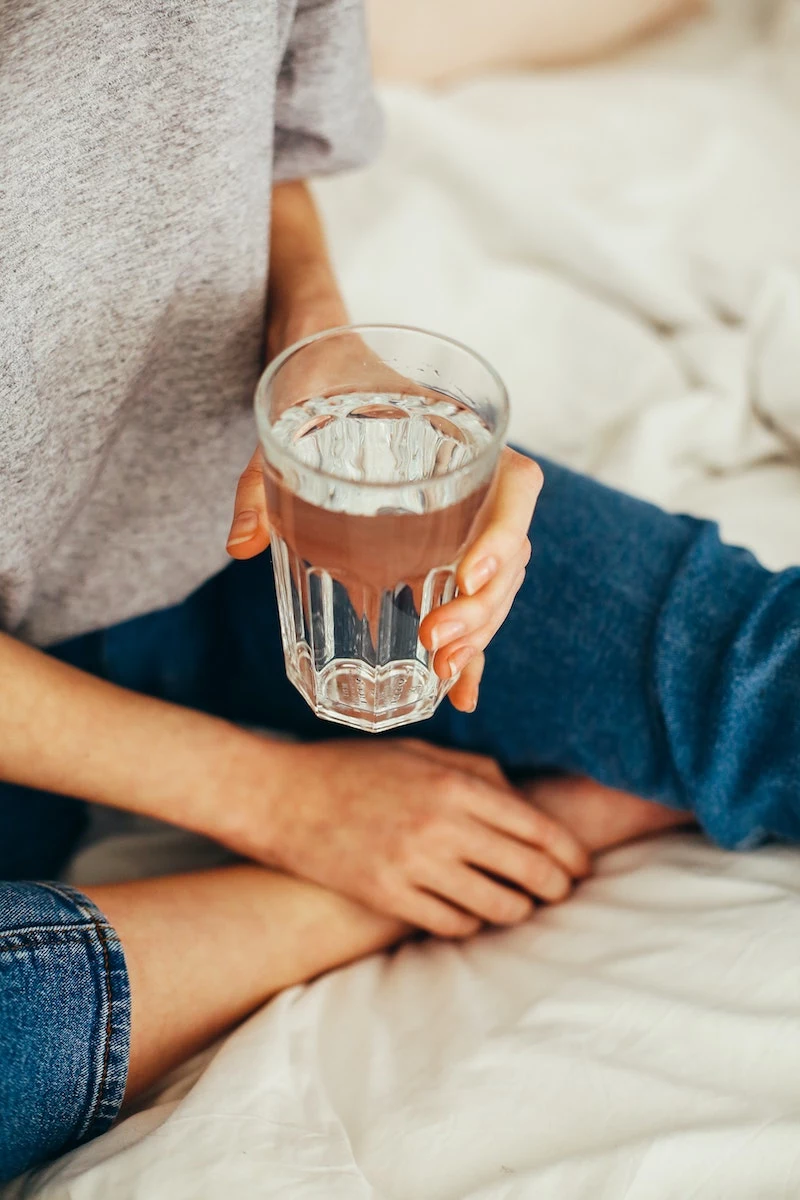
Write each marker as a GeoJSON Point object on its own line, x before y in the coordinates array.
{"type": "Point", "coordinates": [352, 651]}
{"type": "Point", "coordinates": [373, 699]}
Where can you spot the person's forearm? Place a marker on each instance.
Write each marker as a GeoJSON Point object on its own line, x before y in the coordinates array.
{"type": "Point", "coordinates": [65, 731]}
{"type": "Point", "coordinates": [303, 293]}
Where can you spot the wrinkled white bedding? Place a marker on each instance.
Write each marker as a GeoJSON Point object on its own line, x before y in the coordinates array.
{"type": "Point", "coordinates": [642, 1041]}
{"type": "Point", "coordinates": [624, 243]}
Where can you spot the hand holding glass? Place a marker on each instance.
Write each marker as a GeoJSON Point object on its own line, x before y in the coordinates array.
{"type": "Point", "coordinates": [380, 444]}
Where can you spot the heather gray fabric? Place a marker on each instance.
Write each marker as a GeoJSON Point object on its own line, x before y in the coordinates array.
{"type": "Point", "coordinates": [136, 160]}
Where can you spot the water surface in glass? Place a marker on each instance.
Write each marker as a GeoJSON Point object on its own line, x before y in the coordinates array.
{"type": "Point", "coordinates": [373, 496]}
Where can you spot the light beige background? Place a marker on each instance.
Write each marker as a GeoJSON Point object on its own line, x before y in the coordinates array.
{"type": "Point", "coordinates": [427, 40]}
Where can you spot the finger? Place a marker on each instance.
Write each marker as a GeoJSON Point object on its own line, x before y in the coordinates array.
{"type": "Point", "coordinates": [530, 869]}
{"type": "Point", "coordinates": [249, 533]}
{"type": "Point", "coordinates": [511, 815]}
{"type": "Point", "coordinates": [455, 659]}
{"type": "Point", "coordinates": [516, 490]}
{"type": "Point", "coordinates": [463, 695]}
{"type": "Point", "coordinates": [478, 765]}
{"type": "Point", "coordinates": [500, 806]}
{"type": "Point", "coordinates": [425, 911]}
{"type": "Point", "coordinates": [466, 613]}
{"type": "Point", "coordinates": [470, 889]}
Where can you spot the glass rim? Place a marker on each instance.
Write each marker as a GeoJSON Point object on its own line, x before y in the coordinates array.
{"type": "Point", "coordinates": [282, 452]}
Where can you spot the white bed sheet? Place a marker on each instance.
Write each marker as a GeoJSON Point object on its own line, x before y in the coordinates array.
{"type": "Point", "coordinates": [642, 1041]}
{"type": "Point", "coordinates": [624, 242]}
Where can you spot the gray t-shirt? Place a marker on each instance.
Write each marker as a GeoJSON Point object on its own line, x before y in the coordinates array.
{"type": "Point", "coordinates": [138, 146]}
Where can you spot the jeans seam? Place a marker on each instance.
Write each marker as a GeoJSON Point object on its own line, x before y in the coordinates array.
{"type": "Point", "coordinates": [84, 1129]}
{"type": "Point", "coordinates": [34, 931]}
{"type": "Point", "coordinates": [101, 1090]}
{"type": "Point", "coordinates": [52, 937]}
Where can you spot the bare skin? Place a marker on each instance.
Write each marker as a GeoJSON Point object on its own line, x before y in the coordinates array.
{"type": "Point", "coordinates": [306, 300]}
{"type": "Point", "coordinates": [397, 826]}
{"type": "Point", "coordinates": [601, 817]}
{"type": "Point", "coordinates": [391, 826]}
{"type": "Point", "coordinates": [423, 836]}
{"type": "Point", "coordinates": [264, 931]}
{"type": "Point", "coordinates": [206, 949]}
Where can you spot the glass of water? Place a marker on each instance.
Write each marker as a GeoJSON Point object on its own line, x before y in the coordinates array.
{"type": "Point", "coordinates": [380, 444]}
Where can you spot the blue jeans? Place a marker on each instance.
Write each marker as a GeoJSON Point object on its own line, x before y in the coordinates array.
{"type": "Point", "coordinates": [641, 652]}
{"type": "Point", "coordinates": [65, 1018]}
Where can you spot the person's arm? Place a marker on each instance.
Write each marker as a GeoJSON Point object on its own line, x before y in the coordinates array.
{"type": "Point", "coordinates": [304, 295]}
{"type": "Point", "coordinates": [395, 825]}
{"type": "Point", "coordinates": [64, 731]}
{"type": "Point", "coordinates": [304, 298]}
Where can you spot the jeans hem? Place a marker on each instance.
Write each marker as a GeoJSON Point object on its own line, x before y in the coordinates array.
{"type": "Point", "coordinates": [114, 1020]}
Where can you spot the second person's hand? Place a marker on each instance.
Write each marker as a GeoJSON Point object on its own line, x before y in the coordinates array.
{"type": "Point", "coordinates": [435, 837]}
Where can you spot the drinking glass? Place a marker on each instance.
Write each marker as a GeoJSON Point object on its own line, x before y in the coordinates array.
{"type": "Point", "coordinates": [379, 444]}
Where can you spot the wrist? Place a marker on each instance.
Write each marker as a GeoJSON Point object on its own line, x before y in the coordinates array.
{"type": "Point", "coordinates": [314, 303]}
{"type": "Point", "coordinates": [240, 801]}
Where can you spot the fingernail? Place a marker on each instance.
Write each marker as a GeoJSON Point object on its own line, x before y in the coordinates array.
{"type": "Point", "coordinates": [446, 632]}
{"type": "Point", "coordinates": [459, 660]}
{"type": "Point", "coordinates": [479, 575]}
{"type": "Point", "coordinates": [243, 527]}
{"type": "Point", "coordinates": [472, 703]}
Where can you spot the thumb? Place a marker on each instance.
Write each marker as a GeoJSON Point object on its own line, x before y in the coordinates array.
{"type": "Point", "coordinates": [249, 533]}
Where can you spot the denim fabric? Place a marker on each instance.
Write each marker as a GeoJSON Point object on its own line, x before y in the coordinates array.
{"type": "Point", "coordinates": [641, 651]}
{"type": "Point", "coordinates": [649, 655]}
{"type": "Point", "coordinates": [64, 1023]}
